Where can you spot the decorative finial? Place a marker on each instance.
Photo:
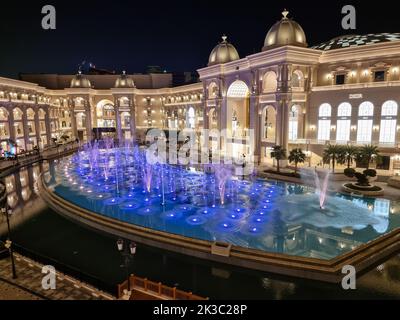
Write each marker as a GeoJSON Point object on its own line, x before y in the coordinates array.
{"type": "Point", "coordinates": [224, 37]}
{"type": "Point", "coordinates": [123, 72]}
{"type": "Point", "coordinates": [285, 14]}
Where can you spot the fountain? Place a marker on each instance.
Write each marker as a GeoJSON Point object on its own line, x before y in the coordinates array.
{"type": "Point", "coordinates": [120, 183]}
{"type": "Point", "coordinates": [321, 189]}
{"type": "Point", "coordinates": [222, 174]}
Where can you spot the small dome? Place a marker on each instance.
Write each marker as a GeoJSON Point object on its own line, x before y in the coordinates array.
{"type": "Point", "coordinates": [124, 81]}
{"type": "Point", "coordinates": [80, 81]}
{"type": "Point", "coordinates": [224, 52]}
{"type": "Point", "coordinates": [285, 32]}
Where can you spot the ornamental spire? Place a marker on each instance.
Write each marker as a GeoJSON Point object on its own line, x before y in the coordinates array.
{"type": "Point", "coordinates": [285, 14]}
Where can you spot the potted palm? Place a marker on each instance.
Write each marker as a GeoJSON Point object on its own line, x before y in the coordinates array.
{"type": "Point", "coordinates": [297, 156]}
{"type": "Point", "coordinates": [278, 154]}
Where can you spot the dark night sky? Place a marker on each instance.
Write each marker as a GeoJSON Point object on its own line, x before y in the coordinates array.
{"type": "Point", "coordinates": [177, 35]}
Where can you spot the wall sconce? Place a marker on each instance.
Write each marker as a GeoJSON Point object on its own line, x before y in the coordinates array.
{"type": "Point", "coordinates": [398, 128]}
{"type": "Point", "coordinates": [376, 128]}
{"type": "Point", "coordinates": [333, 128]}
{"type": "Point", "coordinates": [329, 76]}
{"type": "Point", "coordinates": [312, 128]}
{"type": "Point", "coordinates": [353, 128]}
{"type": "Point", "coordinates": [395, 70]}
{"type": "Point", "coordinates": [353, 74]}
{"type": "Point", "coordinates": [366, 73]}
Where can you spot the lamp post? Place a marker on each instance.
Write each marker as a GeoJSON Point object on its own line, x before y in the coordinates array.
{"type": "Point", "coordinates": [5, 211]}
{"type": "Point", "coordinates": [128, 251]}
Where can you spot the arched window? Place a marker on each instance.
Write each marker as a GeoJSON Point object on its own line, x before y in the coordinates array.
{"type": "Point", "coordinates": [125, 120]}
{"type": "Point", "coordinates": [238, 89]}
{"type": "Point", "coordinates": [344, 122]}
{"type": "Point", "coordinates": [324, 122]}
{"type": "Point", "coordinates": [297, 79]}
{"type": "Point", "coordinates": [294, 123]}
{"type": "Point", "coordinates": [213, 90]}
{"type": "Point", "coordinates": [191, 118]}
{"type": "Point", "coordinates": [388, 122]}
{"type": "Point", "coordinates": [365, 122]}
{"type": "Point", "coordinates": [325, 110]}
{"type": "Point", "coordinates": [17, 113]}
{"type": "Point", "coordinates": [30, 114]}
{"type": "Point", "coordinates": [270, 83]}
{"type": "Point", "coordinates": [269, 124]}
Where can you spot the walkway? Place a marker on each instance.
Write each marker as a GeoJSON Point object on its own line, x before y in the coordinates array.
{"type": "Point", "coordinates": [28, 285]}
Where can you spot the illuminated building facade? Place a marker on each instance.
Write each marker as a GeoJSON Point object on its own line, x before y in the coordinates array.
{"type": "Point", "coordinates": [344, 91]}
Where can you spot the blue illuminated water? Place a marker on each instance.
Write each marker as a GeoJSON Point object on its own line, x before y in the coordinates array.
{"type": "Point", "coordinates": [265, 215]}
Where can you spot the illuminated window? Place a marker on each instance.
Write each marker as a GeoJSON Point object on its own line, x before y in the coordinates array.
{"type": "Point", "coordinates": [388, 122]}
{"type": "Point", "coordinates": [364, 128]}
{"type": "Point", "coordinates": [325, 110]}
{"type": "Point", "coordinates": [294, 123]}
{"type": "Point", "coordinates": [324, 123]}
{"type": "Point", "coordinates": [344, 122]}
{"type": "Point", "coordinates": [238, 89]}
{"type": "Point", "coordinates": [344, 110]}
{"type": "Point", "coordinates": [191, 120]}
{"type": "Point", "coordinates": [366, 109]}
{"type": "Point", "coordinates": [270, 83]}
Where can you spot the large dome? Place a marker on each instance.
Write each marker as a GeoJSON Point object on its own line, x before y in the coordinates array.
{"type": "Point", "coordinates": [285, 32]}
{"type": "Point", "coordinates": [124, 81]}
{"type": "Point", "coordinates": [224, 52]}
{"type": "Point", "coordinates": [80, 81]}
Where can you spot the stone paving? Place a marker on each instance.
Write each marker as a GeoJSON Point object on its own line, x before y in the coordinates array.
{"type": "Point", "coordinates": [28, 285]}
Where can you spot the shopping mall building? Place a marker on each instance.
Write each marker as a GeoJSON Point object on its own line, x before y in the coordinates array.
{"type": "Point", "coordinates": [344, 91]}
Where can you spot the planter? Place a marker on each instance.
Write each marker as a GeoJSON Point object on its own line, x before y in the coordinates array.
{"type": "Point", "coordinates": [368, 191]}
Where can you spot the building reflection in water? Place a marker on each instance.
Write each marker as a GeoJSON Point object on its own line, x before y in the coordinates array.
{"type": "Point", "coordinates": [21, 195]}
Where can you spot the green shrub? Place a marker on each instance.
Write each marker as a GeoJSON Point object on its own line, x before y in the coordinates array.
{"type": "Point", "coordinates": [370, 173]}
{"type": "Point", "coordinates": [349, 172]}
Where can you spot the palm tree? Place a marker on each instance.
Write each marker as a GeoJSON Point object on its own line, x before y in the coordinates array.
{"type": "Point", "coordinates": [331, 154]}
{"type": "Point", "coordinates": [297, 156]}
{"type": "Point", "coordinates": [279, 154]}
{"type": "Point", "coordinates": [350, 153]}
{"type": "Point", "coordinates": [368, 152]}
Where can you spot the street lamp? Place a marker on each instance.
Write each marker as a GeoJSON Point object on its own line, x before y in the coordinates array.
{"type": "Point", "coordinates": [8, 244]}
{"type": "Point", "coordinates": [127, 251]}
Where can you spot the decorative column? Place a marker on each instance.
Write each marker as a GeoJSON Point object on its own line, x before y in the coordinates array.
{"type": "Point", "coordinates": [88, 119]}
{"type": "Point", "coordinates": [47, 120]}
{"type": "Point", "coordinates": [132, 108]}
{"type": "Point", "coordinates": [11, 127]}
{"type": "Point", "coordinates": [26, 128]}
{"type": "Point", "coordinates": [284, 97]}
{"type": "Point", "coordinates": [37, 127]}
{"type": "Point", "coordinates": [118, 119]}
{"type": "Point", "coordinates": [74, 125]}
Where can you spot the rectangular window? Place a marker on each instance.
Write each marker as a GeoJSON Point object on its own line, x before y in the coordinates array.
{"type": "Point", "coordinates": [379, 76]}
{"type": "Point", "coordinates": [340, 79]}
{"type": "Point", "coordinates": [324, 130]}
{"type": "Point", "coordinates": [364, 131]}
{"type": "Point", "coordinates": [388, 131]}
{"type": "Point", "coordinates": [293, 130]}
{"type": "Point", "coordinates": [343, 130]}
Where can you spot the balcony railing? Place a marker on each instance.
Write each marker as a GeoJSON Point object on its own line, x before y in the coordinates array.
{"type": "Point", "coordinates": [389, 145]}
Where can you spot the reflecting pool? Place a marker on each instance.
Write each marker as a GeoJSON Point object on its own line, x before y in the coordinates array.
{"type": "Point", "coordinates": [212, 205]}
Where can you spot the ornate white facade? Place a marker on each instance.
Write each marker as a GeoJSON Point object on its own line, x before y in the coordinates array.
{"type": "Point", "coordinates": [345, 91]}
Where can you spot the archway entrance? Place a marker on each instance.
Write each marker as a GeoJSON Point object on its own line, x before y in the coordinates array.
{"type": "Point", "coordinates": [238, 119]}
{"type": "Point", "coordinates": [238, 114]}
